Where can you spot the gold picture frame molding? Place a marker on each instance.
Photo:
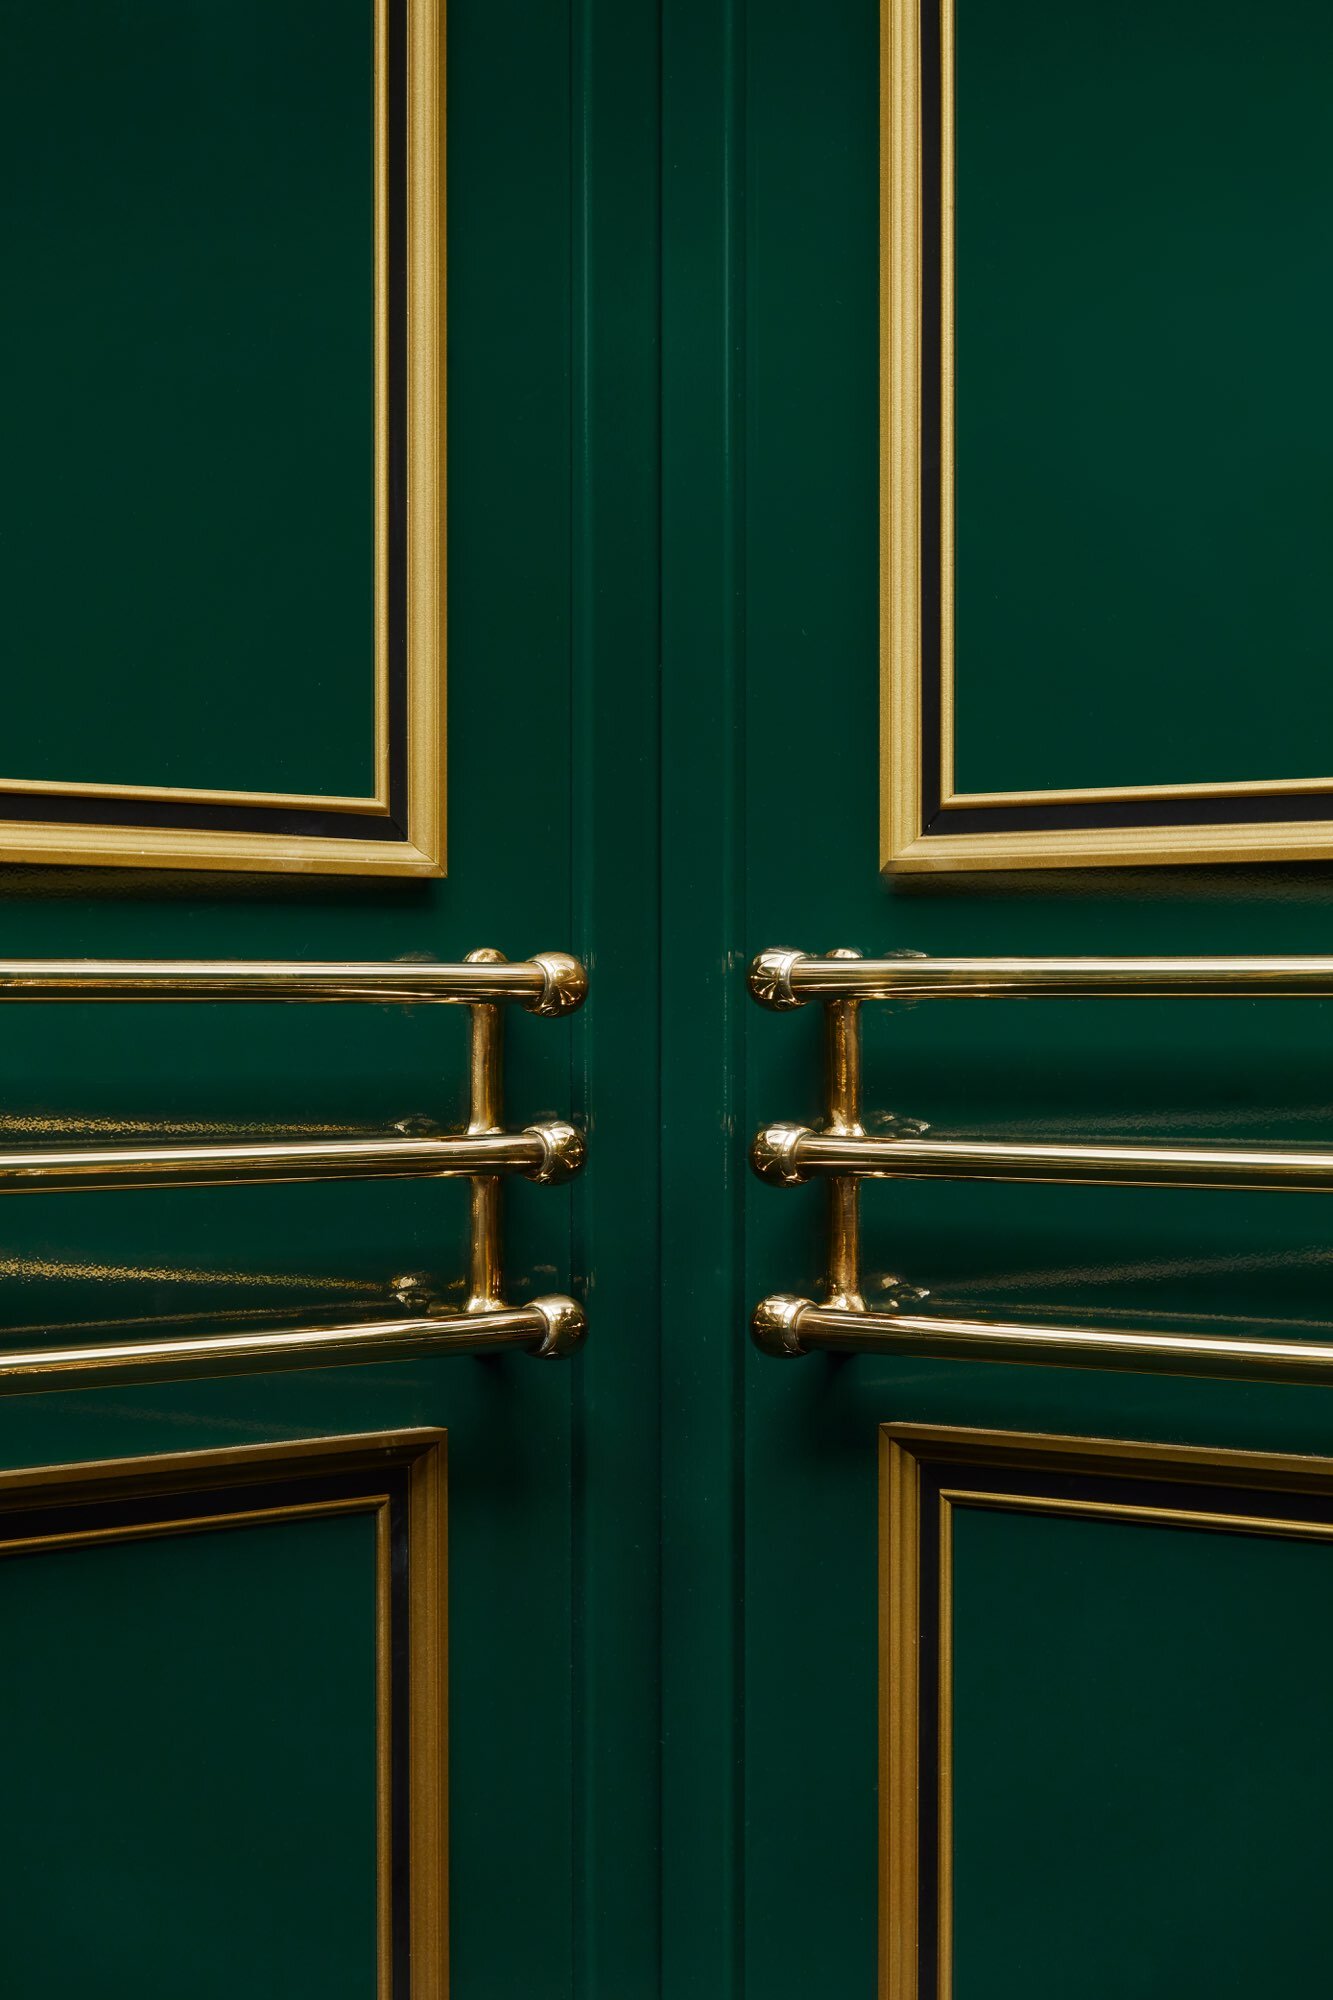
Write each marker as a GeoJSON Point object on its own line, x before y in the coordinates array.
{"type": "Point", "coordinates": [904, 1449]}
{"type": "Point", "coordinates": [416, 1457]}
{"type": "Point", "coordinates": [421, 848]}
{"type": "Point", "coordinates": [905, 845]}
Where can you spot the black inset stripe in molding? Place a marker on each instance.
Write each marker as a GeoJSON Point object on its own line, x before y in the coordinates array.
{"type": "Point", "coordinates": [63, 809]}
{"type": "Point", "coordinates": [1207, 809]}
{"type": "Point", "coordinates": [1203, 809]}
{"type": "Point", "coordinates": [397, 415]}
{"type": "Point", "coordinates": [54, 807]}
{"type": "Point", "coordinates": [931, 580]}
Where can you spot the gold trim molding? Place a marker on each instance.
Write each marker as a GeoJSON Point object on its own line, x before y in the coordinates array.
{"type": "Point", "coordinates": [416, 846]}
{"type": "Point", "coordinates": [397, 1477]}
{"type": "Point", "coordinates": [916, 836]}
{"type": "Point", "coordinates": [957, 1462]}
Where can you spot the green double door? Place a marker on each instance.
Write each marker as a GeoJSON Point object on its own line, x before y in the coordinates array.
{"type": "Point", "coordinates": [883, 507]}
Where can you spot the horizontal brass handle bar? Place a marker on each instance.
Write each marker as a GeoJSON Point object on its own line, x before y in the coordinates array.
{"type": "Point", "coordinates": [542, 1152]}
{"type": "Point", "coordinates": [789, 1327]}
{"type": "Point", "coordinates": [550, 983]}
{"type": "Point", "coordinates": [551, 1328]}
{"type": "Point", "coordinates": [788, 1154]}
{"type": "Point", "coordinates": [783, 979]}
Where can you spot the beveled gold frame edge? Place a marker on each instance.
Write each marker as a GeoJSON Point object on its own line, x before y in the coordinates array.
{"type": "Point", "coordinates": [900, 433]}
{"type": "Point", "coordinates": [899, 1701]}
{"type": "Point", "coordinates": [1098, 847]}
{"type": "Point", "coordinates": [902, 1449]}
{"type": "Point", "coordinates": [427, 441]}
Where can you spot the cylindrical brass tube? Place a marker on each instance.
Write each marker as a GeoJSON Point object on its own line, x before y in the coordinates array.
{"type": "Point", "coordinates": [549, 983]}
{"type": "Point", "coordinates": [550, 1328]}
{"type": "Point", "coordinates": [789, 1327]}
{"type": "Point", "coordinates": [486, 1114]}
{"type": "Point", "coordinates": [789, 1154]}
{"type": "Point", "coordinates": [789, 979]}
{"type": "Point", "coordinates": [544, 1152]}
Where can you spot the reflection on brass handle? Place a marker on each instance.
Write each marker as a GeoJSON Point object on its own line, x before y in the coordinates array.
{"type": "Point", "coordinates": [550, 1328]}
{"type": "Point", "coordinates": [843, 1153]}
{"type": "Point", "coordinates": [542, 1153]}
{"type": "Point", "coordinates": [782, 979]}
{"type": "Point", "coordinates": [788, 1327]}
{"type": "Point", "coordinates": [785, 1155]}
{"type": "Point", "coordinates": [552, 983]}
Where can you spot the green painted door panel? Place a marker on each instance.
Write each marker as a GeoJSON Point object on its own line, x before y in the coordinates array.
{"type": "Point", "coordinates": [1143, 285]}
{"type": "Point", "coordinates": [185, 1778]}
{"type": "Point", "coordinates": [189, 228]}
{"type": "Point", "coordinates": [1120, 1695]}
{"type": "Point", "coordinates": [190, 1779]}
{"type": "Point", "coordinates": [663, 1589]}
{"type": "Point", "coordinates": [1139, 1727]}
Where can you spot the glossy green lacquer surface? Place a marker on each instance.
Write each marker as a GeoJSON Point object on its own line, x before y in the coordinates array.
{"type": "Point", "coordinates": [552, 1504]}
{"type": "Point", "coordinates": [663, 569]}
{"type": "Point", "coordinates": [1143, 409]}
{"type": "Point", "coordinates": [189, 1764]}
{"type": "Point", "coordinates": [187, 427]}
{"type": "Point", "coordinates": [1141, 1748]}
{"type": "Point", "coordinates": [800, 480]}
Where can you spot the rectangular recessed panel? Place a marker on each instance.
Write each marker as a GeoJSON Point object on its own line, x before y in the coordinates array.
{"type": "Point", "coordinates": [222, 1767]}
{"type": "Point", "coordinates": [1143, 406]}
{"type": "Point", "coordinates": [187, 422]}
{"type": "Point", "coordinates": [1142, 1757]}
{"type": "Point", "coordinates": [188, 1765]}
{"type": "Point", "coordinates": [1106, 1747]}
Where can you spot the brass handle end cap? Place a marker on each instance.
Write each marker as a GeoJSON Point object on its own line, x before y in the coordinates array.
{"type": "Point", "coordinates": [565, 983]}
{"type": "Point", "coordinates": [566, 1327]}
{"type": "Point", "coordinates": [776, 1327]}
{"type": "Point", "coordinates": [774, 1155]}
{"type": "Point", "coordinates": [564, 1150]}
{"type": "Point", "coordinates": [770, 979]}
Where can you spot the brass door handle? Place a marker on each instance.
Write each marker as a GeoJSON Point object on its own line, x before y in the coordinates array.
{"type": "Point", "coordinates": [843, 1154]}
{"type": "Point", "coordinates": [543, 1153]}
{"type": "Point", "coordinates": [550, 1327]}
{"type": "Point", "coordinates": [786, 1155]}
{"type": "Point", "coordinates": [783, 979]}
{"type": "Point", "coordinates": [552, 983]}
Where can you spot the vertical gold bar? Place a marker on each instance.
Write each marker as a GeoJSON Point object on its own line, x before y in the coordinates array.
{"type": "Point", "coordinates": [384, 1749]}
{"type": "Point", "coordinates": [899, 1638]}
{"type": "Point", "coordinates": [485, 1276]}
{"type": "Point", "coordinates": [900, 426]}
{"type": "Point", "coordinates": [426, 369]}
{"type": "Point", "coordinates": [842, 1028]}
{"type": "Point", "coordinates": [944, 1774]}
{"type": "Point", "coordinates": [428, 1653]}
